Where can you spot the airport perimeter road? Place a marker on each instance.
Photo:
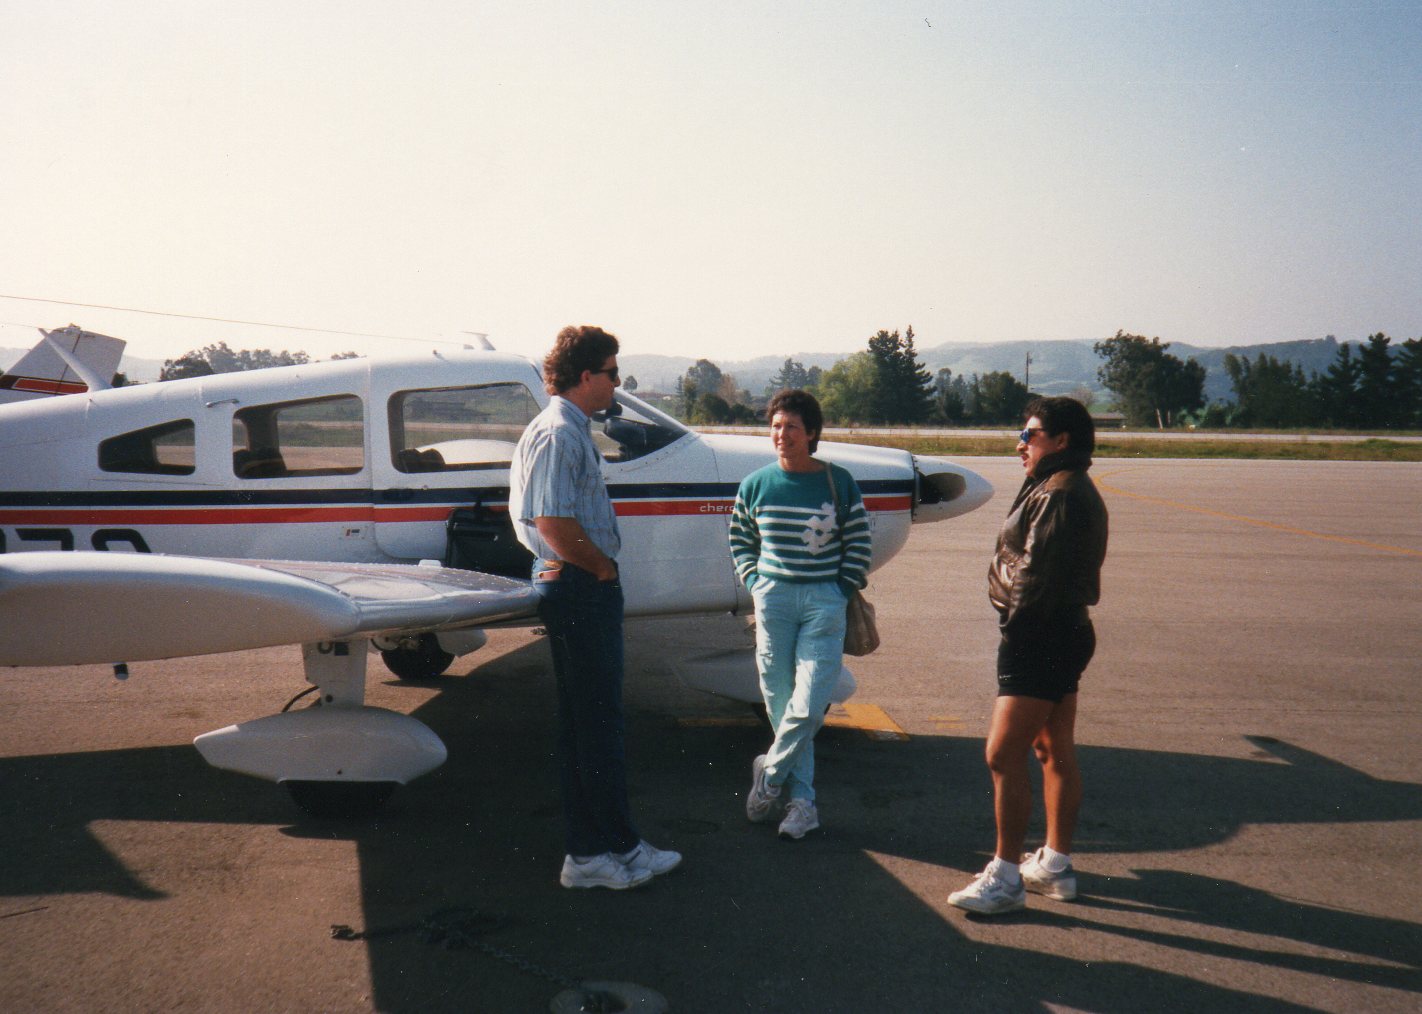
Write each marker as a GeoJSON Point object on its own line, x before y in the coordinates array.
{"type": "Point", "coordinates": [1249, 841]}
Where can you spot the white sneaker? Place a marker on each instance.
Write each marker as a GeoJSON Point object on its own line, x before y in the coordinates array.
{"type": "Point", "coordinates": [605, 870]}
{"type": "Point", "coordinates": [801, 818]}
{"type": "Point", "coordinates": [989, 894]}
{"type": "Point", "coordinates": [1040, 880]}
{"type": "Point", "coordinates": [763, 797]}
{"type": "Point", "coordinates": [647, 856]}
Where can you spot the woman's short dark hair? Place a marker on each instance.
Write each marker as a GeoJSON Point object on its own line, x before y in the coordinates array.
{"type": "Point", "coordinates": [1065, 415]}
{"type": "Point", "coordinates": [803, 404]}
{"type": "Point", "coordinates": [577, 348]}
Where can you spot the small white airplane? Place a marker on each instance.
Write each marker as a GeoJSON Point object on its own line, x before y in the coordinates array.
{"type": "Point", "coordinates": [348, 506]}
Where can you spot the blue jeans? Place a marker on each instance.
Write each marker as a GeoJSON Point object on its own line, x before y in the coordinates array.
{"type": "Point", "coordinates": [583, 617]}
{"type": "Point", "coordinates": [799, 643]}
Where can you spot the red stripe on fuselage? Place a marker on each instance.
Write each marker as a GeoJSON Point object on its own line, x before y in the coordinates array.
{"type": "Point", "coordinates": [258, 515]}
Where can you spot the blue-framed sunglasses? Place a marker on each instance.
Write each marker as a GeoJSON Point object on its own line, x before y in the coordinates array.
{"type": "Point", "coordinates": [1026, 435]}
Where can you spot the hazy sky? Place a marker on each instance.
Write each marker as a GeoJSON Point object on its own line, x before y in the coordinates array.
{"type": "Point", "coordinates": [723, 179]}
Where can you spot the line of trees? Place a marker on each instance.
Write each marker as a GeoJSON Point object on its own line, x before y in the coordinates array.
{"type": "Point", "coordinates": [1379, 387]}
{"type": "Point", "coordinates": [886, 384]}
{"type": "Point", "coordinates": [218, 358]}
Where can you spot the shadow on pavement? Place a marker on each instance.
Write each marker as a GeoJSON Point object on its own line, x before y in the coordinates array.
{"type": "Point", "coordinates": [751, 922]}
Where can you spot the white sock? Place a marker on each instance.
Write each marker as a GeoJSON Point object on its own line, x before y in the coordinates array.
{"type": "Point", "coordinates": [1004, 870]}
{"type": "Point", "coordinates": [1054, 861]}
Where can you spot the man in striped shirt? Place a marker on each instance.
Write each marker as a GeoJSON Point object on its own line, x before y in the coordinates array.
{"type": "Point", "coordinates": [800, 541]}
{"type": "Point", "coordinates": [562, 513]}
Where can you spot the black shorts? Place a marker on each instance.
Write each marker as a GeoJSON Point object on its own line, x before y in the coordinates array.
{"type": "Point", "coordinates": [1048, 668]}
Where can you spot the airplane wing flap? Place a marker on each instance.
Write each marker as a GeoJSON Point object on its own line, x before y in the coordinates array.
{"type": "Point", "coordinates": [79, 608]}
{"type": "Point", "coordinates": [395, 598]}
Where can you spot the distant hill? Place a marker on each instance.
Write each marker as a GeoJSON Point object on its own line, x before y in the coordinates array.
{"type": "Point", "coordinates": [1058, 367]}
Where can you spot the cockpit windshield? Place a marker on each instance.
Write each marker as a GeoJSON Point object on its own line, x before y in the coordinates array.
{"type": "Point", "coordinates": [632, 429]}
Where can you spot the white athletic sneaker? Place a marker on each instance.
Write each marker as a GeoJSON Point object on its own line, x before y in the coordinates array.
{"type": "Point", "coordinates": [989, 894]}
{"type": "Point", "coordinates": [647, 856]}
{"type": "Point", "coordinates": [605, 870]}
{"type": "Point", "coordinates": [763, 797]}
{"type": "Point", "coordinates": [1040, 880]}
{"type": "Point", "coordinates": [801, 818]}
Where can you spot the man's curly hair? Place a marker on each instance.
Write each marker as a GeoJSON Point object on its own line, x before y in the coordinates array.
{"type": "Point", "coordinates": [577, 348]}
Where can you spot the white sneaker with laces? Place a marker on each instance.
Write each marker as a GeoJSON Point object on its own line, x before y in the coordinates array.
{"type": "Point", "coordinates": [605, 870]}
{"type": "Point", "coordinates": [1040, 880]}
{"type": "Point", "coordinates": [763, 797]}
{"type": "Point", "coordinates": [989, 894]}
{"type": "Point", "coordinates": [801, 818]}
{"type": "Point", "coordinates": [647, 856]}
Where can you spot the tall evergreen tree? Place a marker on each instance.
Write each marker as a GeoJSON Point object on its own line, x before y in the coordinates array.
{"type": "Point", "coordinates": [905, 393]}
{"type": "Point", "coordinates": [950, 401]}
{"type": "Point", "coordinates": [1408, 367]}
{"type": "Point", "coordinates": [1377, 386]}
{"type": "Point", "coordinates": [1337, 389]}
{"type": "Point", "coordinates": [791, 376]}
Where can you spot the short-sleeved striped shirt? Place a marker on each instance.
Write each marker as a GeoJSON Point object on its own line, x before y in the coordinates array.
{"type": "Point", "coordinates": [783, 525]}
{"type": "Point", "coordinates": [557, 473]}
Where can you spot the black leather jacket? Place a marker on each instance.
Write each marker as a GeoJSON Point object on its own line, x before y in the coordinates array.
{"type": "Point", "coordinates": [1047, 567]}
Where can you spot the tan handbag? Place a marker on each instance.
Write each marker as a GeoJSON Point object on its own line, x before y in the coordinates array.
{"type": "Point", "coordinates": [861, 632]}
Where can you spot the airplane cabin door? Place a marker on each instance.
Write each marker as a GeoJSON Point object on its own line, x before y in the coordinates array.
{"type": "Point", "coordinates": [449, 449]}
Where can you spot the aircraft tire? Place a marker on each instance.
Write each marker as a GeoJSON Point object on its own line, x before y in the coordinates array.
{"type": "Point", "coordinates": [340, 799]}
{"type": "Point", "coordinates": [426, 661]}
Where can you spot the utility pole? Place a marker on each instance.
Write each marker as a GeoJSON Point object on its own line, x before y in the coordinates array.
{"type": "Point", "coordinates": [1027, 373]}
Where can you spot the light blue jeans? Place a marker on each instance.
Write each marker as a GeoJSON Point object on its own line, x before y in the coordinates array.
{"type": "Point", "coordinates": [799, 644]}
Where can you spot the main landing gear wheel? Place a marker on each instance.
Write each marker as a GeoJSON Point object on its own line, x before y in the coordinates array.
{"type": "Point", "coordinates": [424, 661]}
{"type": "Point", "coordinates": [340, 799]}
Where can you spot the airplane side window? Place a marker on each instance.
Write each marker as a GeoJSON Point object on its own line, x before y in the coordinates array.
{"type": "Point", "coordinates": [451, 429]}
{"type": "Point", "coordinates": [316, 436]}
{"type": "Point", "coordinates": [165, 449]}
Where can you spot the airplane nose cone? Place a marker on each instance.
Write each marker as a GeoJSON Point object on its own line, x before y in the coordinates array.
{"type": "Point", "coordinates": [946, 490]}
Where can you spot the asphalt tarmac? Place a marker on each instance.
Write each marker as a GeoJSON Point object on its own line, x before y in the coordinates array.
{"type": "Point", "coordinates": [1250, 748]}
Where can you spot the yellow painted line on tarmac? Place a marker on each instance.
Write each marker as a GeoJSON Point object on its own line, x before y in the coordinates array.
{"type": "Point", "coordinates": [946, 722]}
{"type": "Point", "coordinates": [870, 719]}
{"type": "Point", "coordinates": [1402, 550]}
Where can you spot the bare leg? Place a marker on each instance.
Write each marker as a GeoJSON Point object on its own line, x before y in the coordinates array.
{"type": "Point", "coordinates": [1055, 746]}
{"type": "Point", "coordinates": [1016, 723]}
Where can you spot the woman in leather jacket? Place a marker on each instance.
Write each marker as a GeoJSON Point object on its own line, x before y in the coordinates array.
{"type": "Point", "coordinates": [1044, 575]}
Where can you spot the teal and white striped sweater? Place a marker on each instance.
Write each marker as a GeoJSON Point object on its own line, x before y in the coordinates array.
{"type": "Point", "coordinates": [783, 526]}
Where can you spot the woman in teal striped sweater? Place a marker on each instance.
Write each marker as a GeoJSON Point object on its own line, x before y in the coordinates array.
{"type": "Point", "coordinates": [802, 549]}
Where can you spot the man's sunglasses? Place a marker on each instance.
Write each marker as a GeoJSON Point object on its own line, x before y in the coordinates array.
{"type": "Point", "coordinates": [1026, 435]}
{"type": "Point", "coordinates": [611, 372]}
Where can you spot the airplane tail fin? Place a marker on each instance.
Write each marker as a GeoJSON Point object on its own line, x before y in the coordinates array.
{"type": "Point", "coordinates": [66, 360]}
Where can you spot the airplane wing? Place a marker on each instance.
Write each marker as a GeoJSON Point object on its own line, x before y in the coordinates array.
{"type": "Point", "coordinates": [74, 608]}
